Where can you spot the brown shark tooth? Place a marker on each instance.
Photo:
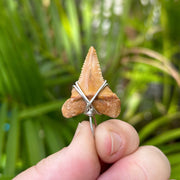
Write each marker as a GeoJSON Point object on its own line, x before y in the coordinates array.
{"type": "Point", "coordinates": [90, 81]}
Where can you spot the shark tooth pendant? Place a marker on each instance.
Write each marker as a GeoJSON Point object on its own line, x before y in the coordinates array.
{"type": "Point", "coordinates": [90, 82]}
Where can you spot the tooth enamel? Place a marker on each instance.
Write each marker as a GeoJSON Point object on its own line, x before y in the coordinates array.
{"type": "Point", "coordinates": [90, 81]}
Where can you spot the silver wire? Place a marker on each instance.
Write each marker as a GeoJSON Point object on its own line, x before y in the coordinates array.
{"type": "Point", "coordinates": [90, 110]}
{"type": "Point", "coordinates": [102, 87]}
{"type": "Point", "coordinates": [78, 89]}
{"type": "Point", "coordinates": [91, 124]}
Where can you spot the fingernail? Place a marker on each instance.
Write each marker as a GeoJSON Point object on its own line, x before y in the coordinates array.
{"type": "Point", "coordinates": [115, 142]}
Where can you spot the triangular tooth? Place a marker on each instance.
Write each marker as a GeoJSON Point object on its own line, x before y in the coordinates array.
{"type": "Point", "coordinates": [91, 75]}
{"type": "Point", "coordinates": [91, 78]}
{"type": "Point", "coordinates": [90, 81]}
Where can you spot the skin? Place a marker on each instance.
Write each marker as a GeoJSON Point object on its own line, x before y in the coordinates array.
{"type": "Point", "coordinates": [113, 153]}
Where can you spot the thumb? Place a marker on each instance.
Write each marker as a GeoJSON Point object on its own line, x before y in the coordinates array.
{"type": "Point", "coordinates": [77, 161]}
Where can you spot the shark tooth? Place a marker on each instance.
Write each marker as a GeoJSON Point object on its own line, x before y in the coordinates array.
{"type": "Point", "coordinates": [90, 81]}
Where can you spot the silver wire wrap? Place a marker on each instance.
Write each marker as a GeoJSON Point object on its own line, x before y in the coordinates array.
{"type": "Point", "coordinates": [90, 110]}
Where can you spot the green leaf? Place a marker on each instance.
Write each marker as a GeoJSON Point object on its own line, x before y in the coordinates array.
{"type": "Point", "coordinates": [170, 148]}
{"type": "Point", "coordinates": [6, 177]}
{"type": "Point", "coordinates": [75, 28]}
{"type": "Point", "coordinates": [42, 20]}
{"type": "Point", "coordinates": [86, 14]}
{"type": "Point", "coordinates": [3, 117]}
{"type": "Point", "coordinates": [152, 126]}
{"type": "Point", "coordinates": [32, 140]}
{"type": "Point", "coordinates": [65, 29]}
{"type": "Point", "coordinates": [132, 105]}
{"type": "Point", "coordinates": [175, 172]}
{"type": "Point", "coordinates": [60, 80]}
{"type": "Point", "coordinates": [41, 109]}
{"type": "Point", "coordinates": [165, 137]}
{"type": "Point", "coordinates": [174, 158]}
{"type": "Point", "coordinates": [12, 144]}
{"type": "Point", "coordinates": [53, 141]}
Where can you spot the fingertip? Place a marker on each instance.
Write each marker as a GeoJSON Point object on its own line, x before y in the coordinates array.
{"type": "Point", "coordinates": [115, 139]}
{"type": "Point", "coordinates": [152, 158]}
{"type": "Point", "coordinates": [148, 162]}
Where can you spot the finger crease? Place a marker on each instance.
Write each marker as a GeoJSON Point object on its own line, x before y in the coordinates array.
{"type": "Point", "coordinates": [143, 170]}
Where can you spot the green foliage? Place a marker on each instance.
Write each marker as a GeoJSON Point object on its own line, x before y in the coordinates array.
{"type": "Point", "coordinates": [42, 47]}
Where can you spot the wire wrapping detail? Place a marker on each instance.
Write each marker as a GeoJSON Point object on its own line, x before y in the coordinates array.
{"type": "Point", "coordinates": [90, 110]}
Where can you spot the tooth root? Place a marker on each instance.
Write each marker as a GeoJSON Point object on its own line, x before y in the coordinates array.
{"type": "Point", "coordinates": [90, 81]}
{"type": "Point", "coordinates": [73, 107]}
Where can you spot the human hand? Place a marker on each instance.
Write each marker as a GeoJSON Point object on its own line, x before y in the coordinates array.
{"type": "Point", "coordinates": [113, 154]}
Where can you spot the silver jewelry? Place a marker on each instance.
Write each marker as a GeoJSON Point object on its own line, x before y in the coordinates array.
{"type": "Point", "coordinates": [90, 110]}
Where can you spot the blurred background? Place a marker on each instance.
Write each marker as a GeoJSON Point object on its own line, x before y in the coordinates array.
{"type": "Point", "coordinates": [43, 44]}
